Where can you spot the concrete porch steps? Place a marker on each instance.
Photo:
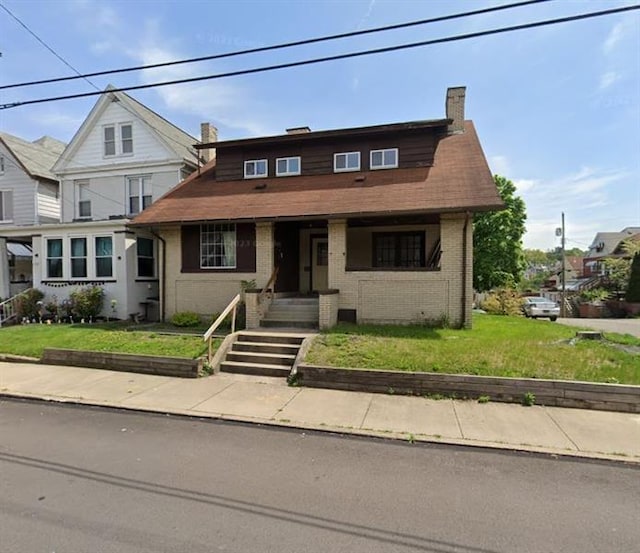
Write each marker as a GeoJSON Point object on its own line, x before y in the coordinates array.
{"type": "Point", "coordinates": [263, 353]}
{"type": "Point", "coordinates": [292, 312]}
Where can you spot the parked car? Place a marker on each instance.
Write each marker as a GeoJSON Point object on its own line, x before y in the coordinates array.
{"type": "Point", "coordinates": [539, 307]}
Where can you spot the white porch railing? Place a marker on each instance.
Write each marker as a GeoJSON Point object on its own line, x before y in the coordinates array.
{"type": "Point", "coordinates": [9, 308]}
{"type": "Point", "coordinates": [231, 308]}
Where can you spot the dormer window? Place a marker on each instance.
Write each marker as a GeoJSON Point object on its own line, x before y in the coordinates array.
{"type": "Point", "coordinates": [384, 159]}
{"type": "Point", "coordinates": [286, 166]}
{"type": "Point", "coordinates": [255, 168]}
{"type": "Point", "coordinates": [347, 161]}
{"type": "Point", "coordinates": [110, 141]}
{"type": "Point", "coordinates": [126, 137]}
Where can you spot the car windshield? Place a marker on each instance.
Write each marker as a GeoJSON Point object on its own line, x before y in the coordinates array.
{"type": "Point", "coordinates": [538, 300]}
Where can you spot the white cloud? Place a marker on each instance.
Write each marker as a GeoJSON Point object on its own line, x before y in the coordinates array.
{"type": "Point", "coordinates": [499, 165]}
{"type": "Point", "coordinates": [609, 78]}
{"type": "Point", "coordinates": [524, 185]}
{"type": "Point", "coordinates": [615, 36]}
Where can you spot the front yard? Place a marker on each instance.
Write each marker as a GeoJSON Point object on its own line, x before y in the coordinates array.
{"type": "Point", "coordinates": [497, 346]}
{"type": "Point", "coordinates": [30, 340]}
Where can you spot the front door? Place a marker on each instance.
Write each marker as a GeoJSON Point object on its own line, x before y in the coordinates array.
{"type": "Point", "coordinates": [319, 263]}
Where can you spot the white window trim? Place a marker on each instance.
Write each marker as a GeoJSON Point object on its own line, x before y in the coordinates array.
{"type": "Point", "coordinates": [121, 150]}
{"type": "Point", "coordinates": [261, 176]}
{"type": "Point", "coordinates": [288, 173]}
{"type": "Point", "coordinates": [46, 258]}
{"type": "Point", "coordinates": [104, 141]}
{"type": "Point", "coordinates": [95, 256]}
{"type": "Point", "coordinates": [4, 207]}
{"type": "Point", "coordinates": [153, 257]}
{"type": "Point", "coordinates": [140, 194]}
{"type": "Point", "coordinates": [77, 185]}
{"type": "Point", "coordinates": [383, 166]}
{"type": "Point", "coordinates": [226, 267]}
{"type": "Point", "coordinates": [87, 256]}
{"type": "Point", "coordinates": [346, 169]}
{"type": "Point", "coordinates": [2, 165]}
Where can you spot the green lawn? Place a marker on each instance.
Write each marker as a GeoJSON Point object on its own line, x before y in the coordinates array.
{"type": "Point", "coordinates": [496, 346]}
{"type": "Point", "coordinates": [31, 340]}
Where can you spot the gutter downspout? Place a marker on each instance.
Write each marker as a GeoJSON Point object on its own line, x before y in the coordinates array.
{"type": "Point", "coordinates": [163, 272]}
{"type": "Point", "coordinates": [465, 246]}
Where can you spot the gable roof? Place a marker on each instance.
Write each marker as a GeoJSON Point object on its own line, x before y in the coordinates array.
{"type": "Point", "coordinates": [178, 141]}
{"type": "Point", "coordinates": [36, 158]}
{"type": "Point", "coordinates": [459, 180]}
{"type": "Point", "coordinates": [605, 243]}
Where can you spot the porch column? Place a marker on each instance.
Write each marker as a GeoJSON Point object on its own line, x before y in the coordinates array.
{"type": "Point", "coordinates": [337, 232]}
{"type": "Point", "coordinates": [4, 270]}
{"type": "Point", "coordinates": [264, 253]}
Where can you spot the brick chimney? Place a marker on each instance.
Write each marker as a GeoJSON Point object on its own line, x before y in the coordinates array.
{"type": "Point", "coordinates": [455, 108]}
{"type": "Point", "coordinates": [298, 130]}
{"type": "Point", "coordinates": [208, 134]}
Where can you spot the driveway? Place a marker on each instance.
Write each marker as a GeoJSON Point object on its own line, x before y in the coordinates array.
{"type": "Point", "coordinates": [621, 326]}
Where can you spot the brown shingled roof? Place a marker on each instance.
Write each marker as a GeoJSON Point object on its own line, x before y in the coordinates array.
{"type": "Point", "coordinates": [459, 180]}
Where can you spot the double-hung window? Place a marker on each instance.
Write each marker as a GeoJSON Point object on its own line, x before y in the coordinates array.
{"type": "Point", "coordinates": [83, 198]}
{"type": "Point", "coordinates": [255, 168]}
{"type": "Point", "coordinates": [286, 166]}
{"type": "Point", "coordinates": [6, 206]}
{"type": "Point", "coordinates": [139, 193]}
{"type": "Point", "coordinates": [146, 262]}
{"type": "Point", "coordinates": [104, 256]}
{"type": "Point", "coordinates": [78, 258]}
{"type": "Point", "coordinates": [218, 246]}
{"type": "Point", "coordinates": [384, 159]}
{"type": "Point", "coordinates": [109, 140]}
{"type": "Point", "coordinates": [54, 258]}
{"type": "Point", "coordinates": [1, 165]}
{"type": "Point", "coordinates": [398, 249]}
{"type": "Point", "coordinates": [346, 161]}
{"type": "Point", "coordinates": [126, 138]}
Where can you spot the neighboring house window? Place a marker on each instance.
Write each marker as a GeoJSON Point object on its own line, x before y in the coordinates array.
{"type": "Point", "coordinates": [384, 159]}
{"type": "Point", "coordinates": [146, 262]}
{"type": "Point", "coordinates": [1, 165]}
{"type": "Point", "coordinates": [398, 249]}
{"type": "Point", "coordinates": [104, 256]}
{"type": "Point", "coordinates": [6, 206]}
{"type": "Point", "coordinates": [287, 166]}
{"type": "Point", "coordinates": [218, 246]}
{"type": "Point", "coordinates": [54, 258]}
{"type": "Point", "coordinates": [126, 137]}
{"type": "Point", "coordinates": [139, 193]}
{"type": "Point", "coordinates": [78, 258]}
{"type": "Point", "coordinates": [84, 200]}
{"type": "Point", "coordinates": [110, 141]}
{"type": "Point", "coordinates": [255, 168]}
{"type": "Point", "coordinates": [347, 161]}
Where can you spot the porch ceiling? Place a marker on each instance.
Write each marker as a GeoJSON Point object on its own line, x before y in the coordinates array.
{"type": "Point", "coordinates": [459, 180]}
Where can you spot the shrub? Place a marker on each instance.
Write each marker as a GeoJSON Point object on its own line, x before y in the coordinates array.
{"type": "Point", "coordinates": [185, 318]}
{"type": "Point", "coordinates": [27, 304]}
{"type": "Point", "coordinates": [503, 301]}
{"type": "Point", "coordinates": [86, 303]}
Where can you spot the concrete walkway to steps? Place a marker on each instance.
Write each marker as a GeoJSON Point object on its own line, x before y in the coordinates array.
{"type": "Point", "coordinates": [562, 431]}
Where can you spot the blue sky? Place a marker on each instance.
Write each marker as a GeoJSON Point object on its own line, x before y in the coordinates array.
{"type": "Point", "coordinates": [556, 108]}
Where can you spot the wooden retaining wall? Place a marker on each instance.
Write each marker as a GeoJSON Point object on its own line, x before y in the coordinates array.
{"type": "Point", "coordinates": [560, 393]}
{"type": "Point", "coordinates": [145, 364]}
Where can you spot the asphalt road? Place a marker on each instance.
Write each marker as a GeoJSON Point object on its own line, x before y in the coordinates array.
{"type": "Point", "coordinates": [78, 479]}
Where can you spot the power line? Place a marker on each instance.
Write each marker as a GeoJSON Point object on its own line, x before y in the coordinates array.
{"type": "Point", "coordinates": [334, 58]}
{"type": "Point", "coordinates": [271, 47]}
{"type": "Point", "coordinates": [34, 35]}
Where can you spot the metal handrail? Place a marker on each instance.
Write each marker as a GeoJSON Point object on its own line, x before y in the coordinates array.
{"type": "Point", "coordinates": [233, 304]}
{"type": "Point", "coordinates": [8, 307]}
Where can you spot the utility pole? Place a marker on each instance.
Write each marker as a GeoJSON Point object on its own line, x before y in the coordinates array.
{"type": "Point", "coordinates": [563, 308]}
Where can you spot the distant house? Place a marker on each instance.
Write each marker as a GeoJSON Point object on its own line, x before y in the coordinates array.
{"type": "Point", "coordinates": [29, 195]}
{"type": "Point", "coordinates": [606, 245]}
{"type": "Point", "coordinates": [123, 158]}
{"type": "Point", "coordinates": [374, 224]}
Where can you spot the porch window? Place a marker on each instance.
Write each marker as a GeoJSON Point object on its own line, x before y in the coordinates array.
{"type": "Point", "coordinates": [347, 161]}
{"type": "Point", "coordinates": [146, 262]}
{"type": "Point", "coordinates": [110, 140]}
{"type": "Point", "coordinates": [384, 159]}
{"type": "Point", "coordinates": [78, 258]}
{"type": "Point", "coordinates": [54, 258]}
{"type": "Point", "coordinates": [104, 256]}
{"type": "Point", "coordinates": [398, 249]}
{"type": "Point", "coordinates": [139, 193]}
{"type": "Point", "coordinates": [287, 166]}
{"type": "Point", "coordinates": [255, 168]}
{"type": "Point", "coordinates": [218, 246]}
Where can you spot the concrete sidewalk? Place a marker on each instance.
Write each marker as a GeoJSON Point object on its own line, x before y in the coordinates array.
{"type": "Point", "coordinates": [594, 434]}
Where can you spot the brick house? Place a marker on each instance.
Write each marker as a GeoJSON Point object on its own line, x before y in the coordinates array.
{"type": "Point", "coordinates": [370, 224]}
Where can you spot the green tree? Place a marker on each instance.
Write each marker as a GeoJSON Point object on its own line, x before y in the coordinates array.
{"type": "Point", "coordinates": [498, 258]}
{"type": "Point", "coordinates": [633, 289]}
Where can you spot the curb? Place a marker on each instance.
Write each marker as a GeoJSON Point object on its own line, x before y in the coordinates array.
{"type": "Point", "coordinates": [370, 433]}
